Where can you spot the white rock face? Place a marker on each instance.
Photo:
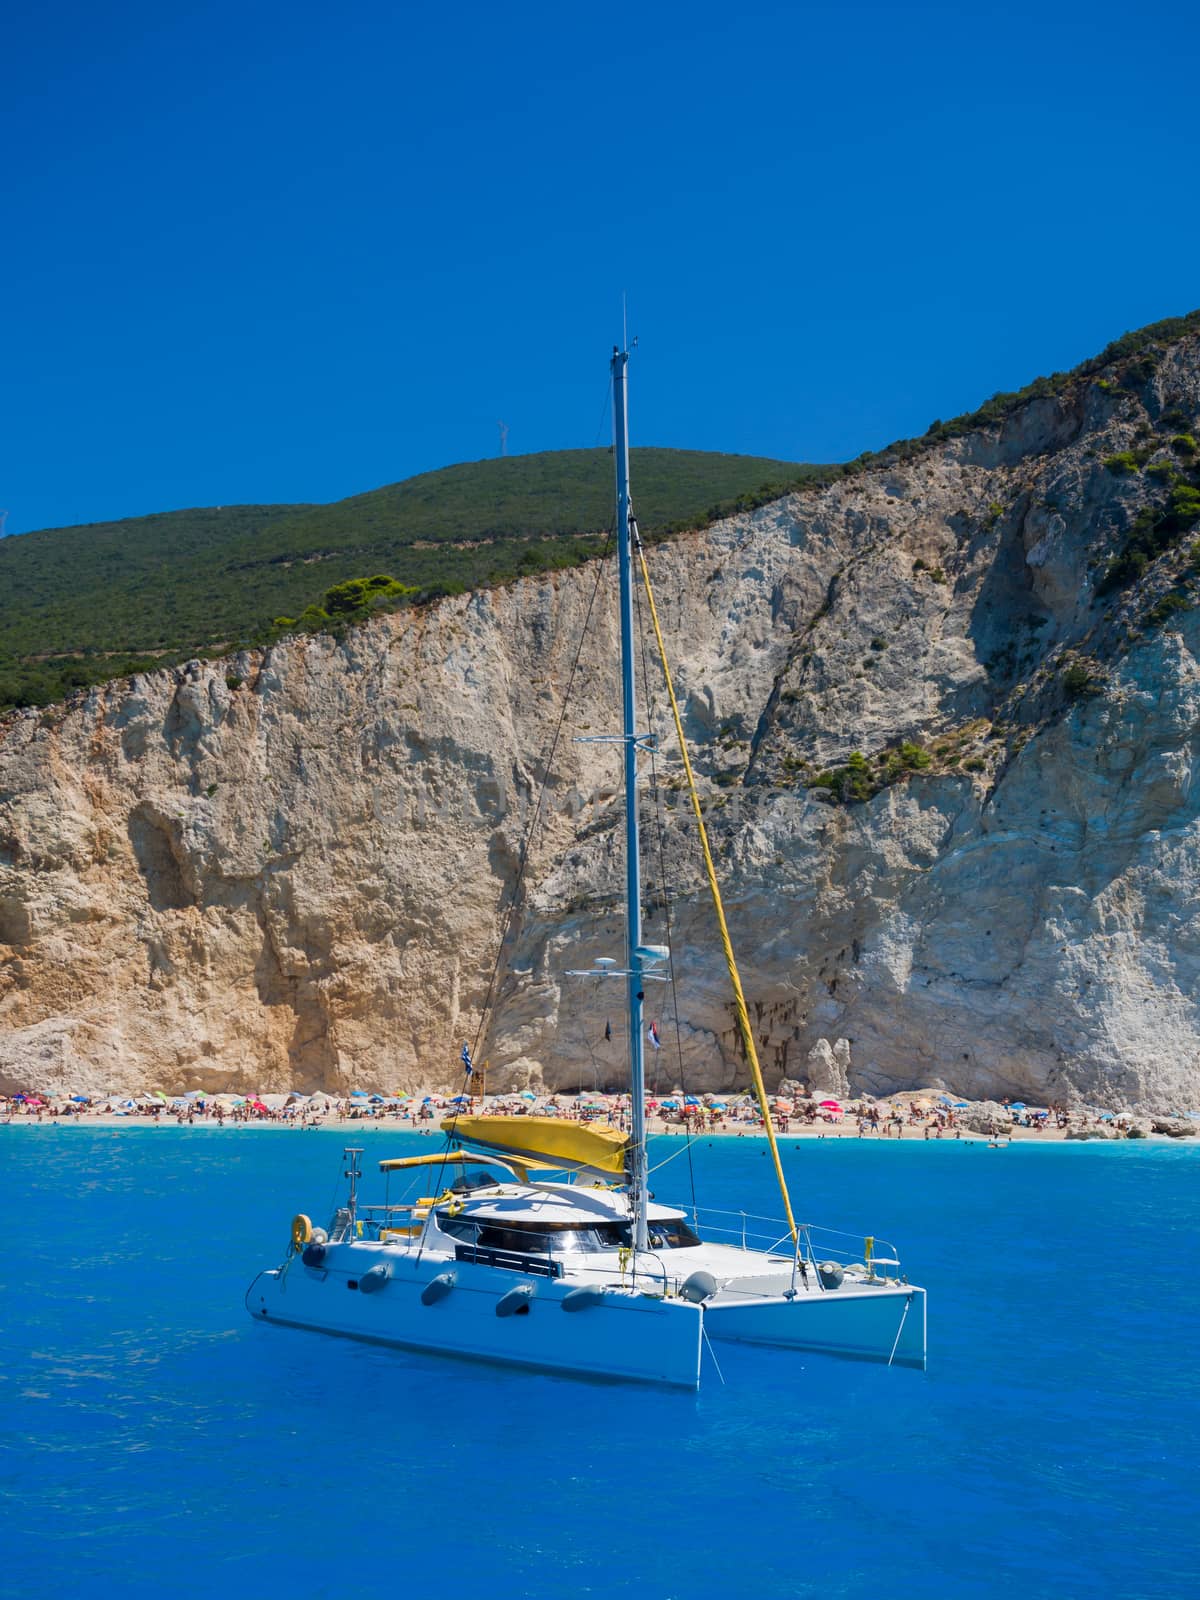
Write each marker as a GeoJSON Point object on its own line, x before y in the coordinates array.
{"type": "Point", "coordinates": [304, 881]}
{"type": "Point", "coordinates": [829, 1068]}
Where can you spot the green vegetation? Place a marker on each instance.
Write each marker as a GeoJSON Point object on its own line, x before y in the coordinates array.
{"type": "Point", "coordinates": [1125, 461]}
{"type": "Point", "coordinates": [85, 604]}
{"type": "Point", "coordinates": [1133, 352]}
{"type": "Point", "coordinates": [82, 605]}
{"type": "Point", "coordinates": [853, 782]}
{"type": "Point", "coordinates": [1080, 678]}
{"type": "Point", "coordinates": [345, 603]}
{"type": "Point", "coordinates": [1155, 529]}
{"type": "Point", "coordinates": [860, 779]}
{"type": "Point", "coordinates": [1174, 601]}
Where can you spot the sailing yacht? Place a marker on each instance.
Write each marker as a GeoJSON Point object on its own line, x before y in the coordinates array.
{"type": "Point", "coordinates": [529, 1218]}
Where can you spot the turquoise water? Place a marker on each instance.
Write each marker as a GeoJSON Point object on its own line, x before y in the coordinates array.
{"type": "Point", "coordinates": [155, 1441]}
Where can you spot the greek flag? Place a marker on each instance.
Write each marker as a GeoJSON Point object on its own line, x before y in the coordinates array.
{"type": "Point", "coordinates": [466, 1060]}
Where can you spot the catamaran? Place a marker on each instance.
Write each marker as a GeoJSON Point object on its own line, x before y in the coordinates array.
{"type": "Point", "coordinates": [530, 1218]}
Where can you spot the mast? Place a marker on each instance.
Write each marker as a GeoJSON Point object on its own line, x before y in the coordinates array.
{"type": "Point", "coordinates": [633, 864]}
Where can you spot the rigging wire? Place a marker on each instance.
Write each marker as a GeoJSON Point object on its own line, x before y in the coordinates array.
{"type": "Point", "coordinates": [587, 1044]}
{"type": "Point", "coordinates": [605, 412]}
{"type": "Point", "coordinates": [535, 818]}
{"type": "Point", "coordinates": [660, 832]}
{"type": "Point", "coordinates": [743, 1014]}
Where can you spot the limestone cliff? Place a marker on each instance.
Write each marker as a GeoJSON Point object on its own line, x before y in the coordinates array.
{"type": "Point", "coordinates": [289, 868]}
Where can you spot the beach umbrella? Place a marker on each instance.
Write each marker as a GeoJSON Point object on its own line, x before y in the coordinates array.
{"type": "Point", "coordinates": [358, 1094]}
{"type": "Point", "coordinates": [80, 1099]}
{"type": "Point", "coordinates": [461, 1100]}
{"type": "Point", "coordinates": [669, 1105]}
{"type": "Point", "coordinates": [527, 1094]}
{"type": "Point", "coordinates": [716, 1105]}
{"type": "Point", "coordinates": [830, 1105]}
{"type": "Point", "coordinates": [690, 1100]}
{"type": "Point", "coordinates": [960, 1105]}
{"type": "Point", "coordinates": [1106, 1116]}
{"type": "Point", "coordinates": [1017, 1105]}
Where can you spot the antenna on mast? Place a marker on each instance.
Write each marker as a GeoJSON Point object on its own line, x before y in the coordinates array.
{"type": "Point", "coordinates": [503, 426]}
{"type": "Point", "coordinates": [625, 344]}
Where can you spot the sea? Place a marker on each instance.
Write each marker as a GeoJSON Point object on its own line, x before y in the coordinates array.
{"type": "Point", "coordinates": [156, 1442]}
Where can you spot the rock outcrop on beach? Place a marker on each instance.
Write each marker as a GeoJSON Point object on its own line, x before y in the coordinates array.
{"type": "Point", "coordinates": [948, 754]}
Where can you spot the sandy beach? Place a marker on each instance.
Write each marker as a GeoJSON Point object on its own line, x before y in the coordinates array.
{"type": "Point", "coordinates": [907, 1117]}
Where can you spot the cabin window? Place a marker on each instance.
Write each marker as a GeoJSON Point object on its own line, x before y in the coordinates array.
{"type": "Point", "coordinates": [611, 1236]}
{"type": "Point", "coordinates": [673, 1234]}
{"type": "Point", "coordinates": [474, 1179]}
{"type": "Point", "coordinates": [525, 1241]}
{"type": "Point", "coordinates": [457, 1227]}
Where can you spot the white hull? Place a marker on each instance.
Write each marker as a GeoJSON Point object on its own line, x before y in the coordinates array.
{"type": "Point", "coordinates": [860, 1320]}
{"type": "Point", "coordinates": [875, 1323]}
{"type": "Point", "coordinates": [628, 1335]}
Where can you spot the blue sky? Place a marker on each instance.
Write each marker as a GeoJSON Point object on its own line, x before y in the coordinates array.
{"type": "Point", "coordinates": [267, 252]}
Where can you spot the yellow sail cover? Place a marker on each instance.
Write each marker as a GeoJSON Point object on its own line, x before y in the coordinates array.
{"type": "Point", "coordinates": [563, 1146]}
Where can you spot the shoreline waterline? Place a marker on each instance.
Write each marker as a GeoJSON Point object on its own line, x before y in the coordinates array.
{"type": "Point", "coordinates": [802, 1133]}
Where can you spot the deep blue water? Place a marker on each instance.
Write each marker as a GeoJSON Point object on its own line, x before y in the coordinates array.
{"type": "Point", "coordinates": [155, 1441]}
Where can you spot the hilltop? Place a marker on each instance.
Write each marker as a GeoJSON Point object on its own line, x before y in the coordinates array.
{"type": "Point", "coordinates": [83, 604]}
{"type": "Point", "coordinates": [86, 604]}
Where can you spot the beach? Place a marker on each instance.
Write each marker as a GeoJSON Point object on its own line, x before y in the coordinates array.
{"type": "Point", "coordinates": [912, 1115]}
